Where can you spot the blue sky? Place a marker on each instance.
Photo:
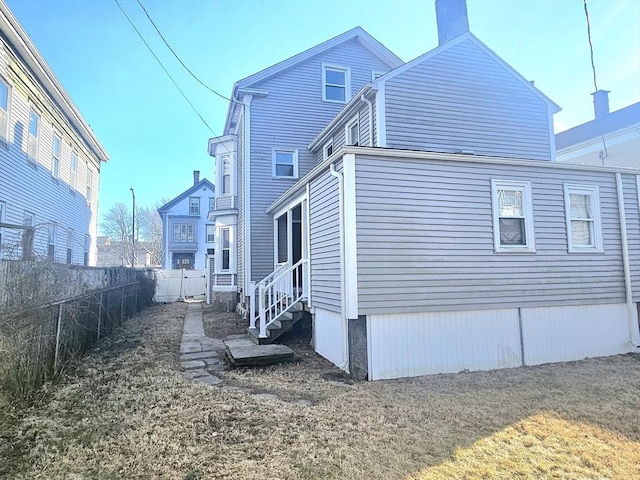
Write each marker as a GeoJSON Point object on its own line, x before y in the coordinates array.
{"type": "Point", "coordinates": [154, 138]}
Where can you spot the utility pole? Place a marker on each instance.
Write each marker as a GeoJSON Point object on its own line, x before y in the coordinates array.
{"type": "Point", "coordinates": [133, 230]}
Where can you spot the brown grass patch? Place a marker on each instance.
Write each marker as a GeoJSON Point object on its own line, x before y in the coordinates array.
{"type": "Point", "coordinates": [131, 413]}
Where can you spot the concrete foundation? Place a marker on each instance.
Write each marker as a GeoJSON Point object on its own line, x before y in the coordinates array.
{"type": "Point", "coordinates": [224, 301]}
{"type": "Point", "coordinates": [358, 357]}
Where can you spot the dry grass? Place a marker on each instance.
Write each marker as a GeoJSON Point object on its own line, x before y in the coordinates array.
{"type": "Point", "coordinates": [128, 412]}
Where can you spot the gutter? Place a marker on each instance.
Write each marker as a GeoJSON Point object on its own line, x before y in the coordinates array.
{"type": "Point", "coordinates": [343, 292]}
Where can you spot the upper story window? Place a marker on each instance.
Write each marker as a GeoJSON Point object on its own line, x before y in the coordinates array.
{"type": "Point", "coordinates": [34, 131]}
{"type": "Point", "coordinates": [211, 233]}
{"type": "Point", "coordinates": [352, 133]}
{"type": "Point", "coordinates": [226, 175]}
{"type": "Point", "coordinates": [183, 233]}
{"type": "Point", "coordinates": [512, 216]}
{"type": "Point", "coordinates": [74, 171]}
{"type": "Point", "coordinates": [285, 163]}
{"type": "Point", "coordinates": [327, 149]}
{"type": "Point", "coordinates": [194, 205]}
{"type": "Point", "coordinates": [89, 184]}
{"type": "Point", "coordinates": [212, 204]}
{"type": "Point", "coordinates": [55, 156]}
{"type": "Point", "coordinates": [51, 241]}
{"type": "Point", "coordinates": [225, 233]}
{"type": "Point", "coordinates": [582, 210]}
{"type": "Point", "coordinates": [4, 110]}
{"type": "Point", "coordinates": [336, 84]}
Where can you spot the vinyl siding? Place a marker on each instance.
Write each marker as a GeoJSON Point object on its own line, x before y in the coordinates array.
{"type": "Point", "coordinates": [324, 231]}
{"type": "Point", "coordinates": [425, 239]}
{"type": "Point", "coordinates": [632, 212]}
{"type": "Point", "coordinates": [463, 99]}
{"type": "Point", "coordinates": [291, 116]}
{"type": "Point", "coordinates": [29, 186]}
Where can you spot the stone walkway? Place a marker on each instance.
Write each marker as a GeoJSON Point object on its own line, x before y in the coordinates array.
{"type": "Point", "coordinates": [202, 356]}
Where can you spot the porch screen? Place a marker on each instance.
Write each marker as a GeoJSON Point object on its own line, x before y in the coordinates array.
{"type": "Point", "coordinates": [282, 239]}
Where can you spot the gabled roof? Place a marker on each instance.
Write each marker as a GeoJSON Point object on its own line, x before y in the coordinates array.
{"type": "Point", "coordinates": [24, 47]}
{"type": "Point", "coordinates": [451, 43]}
{"type": "Point", "coordinates": [202, 183]}
{"type": "Point", "coordinates": [357, 33]}
{"type": "Point", "coordinates": [614, 121]}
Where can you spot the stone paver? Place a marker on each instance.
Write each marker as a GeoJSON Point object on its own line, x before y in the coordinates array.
{"type": "Point", "coordinates": [209, 380]}
{"type": "Point", "coordinates": [197, 355]}
{"type": "Point", "coordinates": [193, 364]}
{"type": "Point", "coordinates": [198, 372]}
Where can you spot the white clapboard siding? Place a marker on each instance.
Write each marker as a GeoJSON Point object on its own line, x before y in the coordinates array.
{"type": "Point", "coordinates": [425, 239]}
{"type": "Point", "coordinates": [463, 99]}
{"type": "Point", "coordinates": [408, 345]}
{"type": "Point", "coordinates": [559, 334]}
{"type": "Point", "coordinates": [290, 116]}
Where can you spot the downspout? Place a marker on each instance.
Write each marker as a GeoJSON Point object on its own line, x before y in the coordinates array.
{"type": "Point", "coordinates": [343, 309]}
{"type": "Point", "coordinates": [633, 326]}
{"type": "Point", "coordinates": [365, 99]}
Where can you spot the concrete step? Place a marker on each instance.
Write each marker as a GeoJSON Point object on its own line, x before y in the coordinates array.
{"type": "Point", "coordinates": [245, 353]}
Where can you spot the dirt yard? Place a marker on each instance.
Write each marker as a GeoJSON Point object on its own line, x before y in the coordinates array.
{"type": "Point", "coordinates": [127, 411]}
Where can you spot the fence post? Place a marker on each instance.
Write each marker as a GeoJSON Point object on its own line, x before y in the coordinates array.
{"type": "Point", "coordinates": [135, 299]}
{"type": "Point", "coordinates": [58, 332]}
{"type": "Point", "coordinates": [99, 317]}
{"type": "Point", "coordinates": [121, 305]}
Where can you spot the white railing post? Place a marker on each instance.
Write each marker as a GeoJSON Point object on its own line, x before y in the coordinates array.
{"type": "Point", "coordinates": [306, 278]}
{"type": "Point", "coordinates": [252, 304]}
{"type": "Point", "coordinates": [263, 311]}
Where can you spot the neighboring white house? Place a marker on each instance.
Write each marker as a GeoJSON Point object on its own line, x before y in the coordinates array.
{"type": "Point", "coordinates": [50, 159]}
{"type": "Point", "coordinates": [417, 211]}
{"type": "Point", "coordinates": [610, 139]}
{"type": "Point", "coordinates": [188, 237]}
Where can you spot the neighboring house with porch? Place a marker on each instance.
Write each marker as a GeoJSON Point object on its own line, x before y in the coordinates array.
{"type": "Point", "coordinates": [188, 237]}
{"type": "Point", "coordinates": [610, 139]}
{"type": "Point", "coordinates": [50, 159]}
{"type": "Point", "coordinates": [423, 223]}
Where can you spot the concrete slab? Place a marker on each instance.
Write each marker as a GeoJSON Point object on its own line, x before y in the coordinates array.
{"type": "Point", "coordinates": [193, 364]}
{"type": "Point", "coordinates": [190, 346]}
{"type": "Point", "coordinates": [247, 353]}
{"type": "Point", "coordinates": [193, 320]}
{"type": "Point", "coordinates": [209, 380]}
{"type": "Point", "coordinates": [237, 336]}
{"type": "Point", "coordinates": [211, 343]}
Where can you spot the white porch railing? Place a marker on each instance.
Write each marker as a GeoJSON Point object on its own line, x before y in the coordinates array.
{"type": "Point", "coordinates": [277, 293]}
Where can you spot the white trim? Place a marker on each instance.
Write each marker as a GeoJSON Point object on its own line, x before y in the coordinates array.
{"type": "Point", "coordinates": [4, 138]}
{"type": "Point", "coordinates": [552, 137]}
{"type": "Point", "coordinates": [527, 210]}
{"type": "Point", "coordinates": [376, 74]}
{"type": "Point", "coordinates": [56, 174]}
{"type": "Point", "coordinates": [306, 231]}
{"type": "Point", "coordinates": [290, 204]}
{"type": "Point", "coordinates": [294, 155]}
{"type": "Point", "coordinates": [246, 101]}
{"type": "Point", "coordinates": [3, 214]}
{"type": "Point", "coordinates": [324, 149]}
{"type": "Point", "coordinates": [347, 82]}
{"type": "Point", "coordinates": [354, 121]}
{"type": "Point", "coordinates": [350, 245]}
{"type": "Point", "coordinates": [638, 188]}
{"type": "Point", "coordinates": [381, 119]}
{"type": "Point", "coordinates": [594, 197]}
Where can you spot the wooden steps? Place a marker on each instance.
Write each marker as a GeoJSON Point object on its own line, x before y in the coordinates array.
{"type": "Point", "coordinates": [282, 325]}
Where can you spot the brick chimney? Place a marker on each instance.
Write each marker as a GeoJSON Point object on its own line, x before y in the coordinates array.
{"type": "Point", "coordinates": [601, 103]}
{"type": "Point", "coordinates": [196, 177]}
{"type": "Point", "coordinates": [452, 19]}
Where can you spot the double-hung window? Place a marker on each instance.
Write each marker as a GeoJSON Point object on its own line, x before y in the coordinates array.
{"type": "Point", "coordinates": [194, 205]}
{"type": "Point", "coordinates": [582, 211]}
{"type": "Point", "coordinates": [55, 156]}
{"type": "Point", "coordinates": [211, 233]}
{"type": "Point", "coordinates": [225, 234]}
{"type": "Point", "coordinates": [74, 171]}
{"type": "Point", "coordinates": [512, 216]}
{"type": "Point", "coordinates": [285, 163]}
{"type": "Point", "coordinates": [226, 175]}
{"type": "Point", "coordinates": [352, 132]}
{"type": "Point", "coordinates": [336, 84]}
{"type": "Point", "coordinates": [212, 204]}
{"type": "Point", "coordinates": [183, 233]}
{"type": "Point", "coordinates": [51, 241]}
{"type": "Point", "coordinates": [34, 131]}
{"type": "Point", "coordinates": [70, 239]}
{"type": "Point", "coordinates": [4, 110]}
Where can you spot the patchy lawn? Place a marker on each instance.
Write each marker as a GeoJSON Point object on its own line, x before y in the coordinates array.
{"type": "Point", "coordinates": [128, 412]}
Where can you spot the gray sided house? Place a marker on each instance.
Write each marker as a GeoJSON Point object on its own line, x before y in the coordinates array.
{"type": "Point", "coordinates": [433, 231]}
{"type": "Point", "coordinates": [50, 159]}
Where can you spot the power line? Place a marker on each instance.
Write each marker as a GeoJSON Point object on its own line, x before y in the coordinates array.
{"type": "Point", "coordinates": [603, 154]}
{"type": "Point", "coordinates": [176, 55]}
{"type": "Point", "coordinates": [163, 68]}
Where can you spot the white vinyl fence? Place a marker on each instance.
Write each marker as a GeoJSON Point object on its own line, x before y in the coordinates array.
{"type": "Point", "coordinates": [174, 285]}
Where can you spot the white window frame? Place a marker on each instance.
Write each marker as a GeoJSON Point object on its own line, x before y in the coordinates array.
{"type": "Point", "coordinates": [70, 241]}
{"type": "Point", "coordinates": [73, 171]}
{"type": "Point", "coordinates": [212, 204]}
{"type": "Point", "coordinates": [293, 152]}
{"type": "Point", "coordinates": [226, 161]}
{"type": "Point", "coordinates": [525, 188]}
{"type": "Point", "coordinates": [36, 137]}
{"type": "Point", "coordinates": [197, 202]}
{"type": "Point", "coordinates": [355, 121]}
{"type": "Point", "coordinates": [221, 248]}
{"type": "Point", "coordinates": [210, 233]}
{"type": "Point", "coordinates": [347, 81]}
{"type": "Point", "coordinates": [89, 185]}
{"type": "Point", "coordinates": [596, 221]}
{"type": "Point", "coordinates": [184, 232]}
{"type": "Point", "coordinates": [55, 156]}
{"type": "Point", "coordinates": [4, 133]}
{"type": "Point", "coordinates": [52, 232]}
{"type": "Point", "coordinates": [326, 147]}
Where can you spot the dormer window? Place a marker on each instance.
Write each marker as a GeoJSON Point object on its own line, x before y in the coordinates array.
{"type": "Point", "coordinates": [353, 133]}
{"type": "Point", "coordinates": [336, 84]}
{"type": "Point", "coordinates": [328, 149]}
